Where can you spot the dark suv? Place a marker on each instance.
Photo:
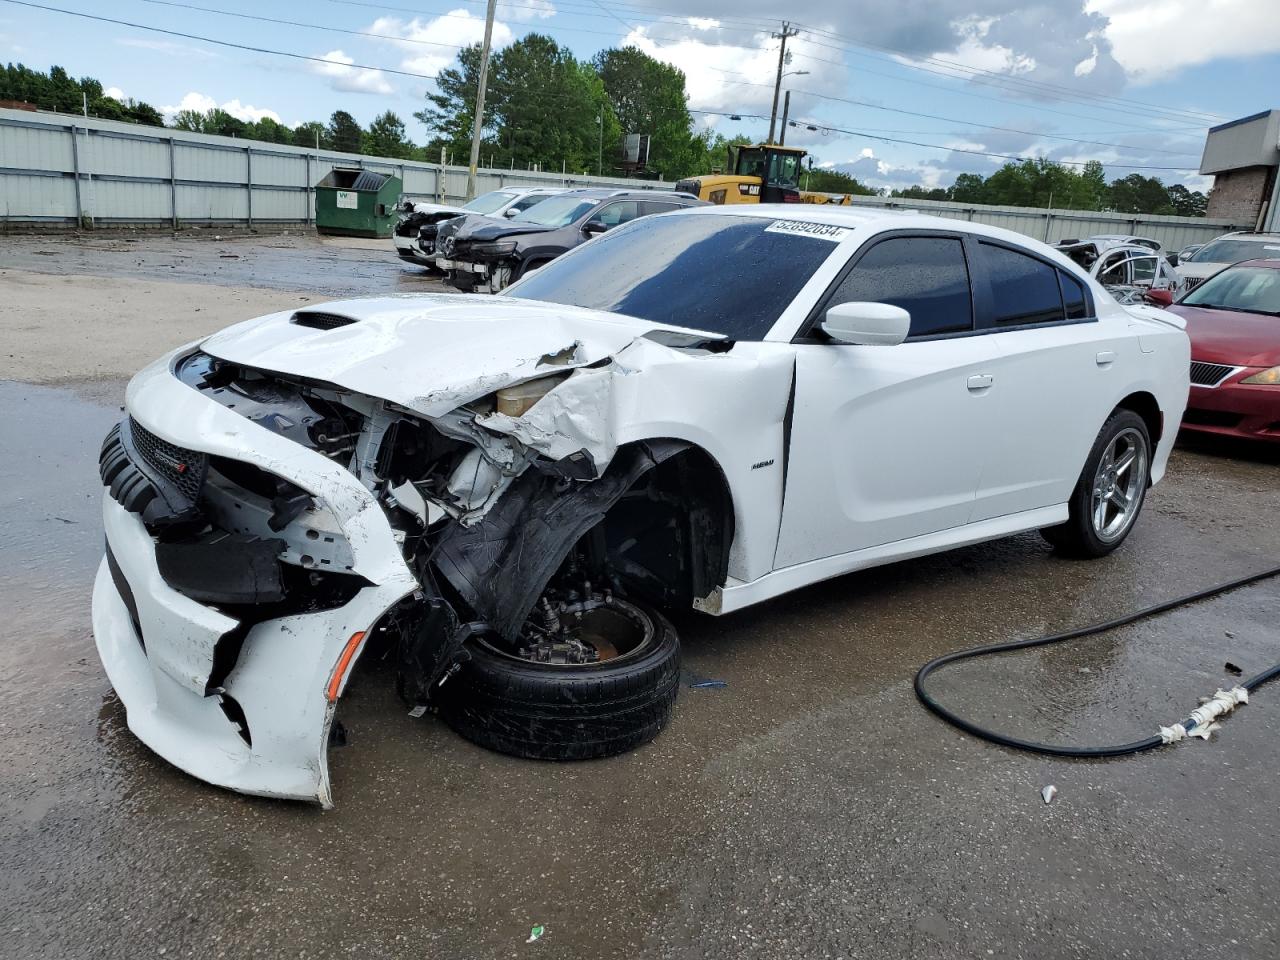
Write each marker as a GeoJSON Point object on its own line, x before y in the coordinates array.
{"type": "Point", "coordinates": [476, 252]}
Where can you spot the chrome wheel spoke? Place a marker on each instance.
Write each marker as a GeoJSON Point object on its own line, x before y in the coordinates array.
{"type": "Point", "coordinates": [1126, 460]}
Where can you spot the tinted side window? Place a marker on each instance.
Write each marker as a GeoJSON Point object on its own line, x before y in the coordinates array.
{"type": "Point", "coordinates": [526, 202]}
{"type": "Point", "coordinates": [926, 276]}
{"type": "Point", "coordinates": [660, 206]}
{"type": "Point", "coordinates": [1024, 290]}
{"type": "Point", "coordinates": [1073, 297]}
{"type": "Point", "coordinates": [1145, 269]}
{"type": "Point", "coordinates": [619, 212]}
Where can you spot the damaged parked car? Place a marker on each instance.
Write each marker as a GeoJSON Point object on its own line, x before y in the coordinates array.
{"type": "Point", "coordinates": [701, 409]}
{"type": "Point", "coordinates": [1131, 269]}
{"type": "Point", "coordinates": [481, 253]}
{"type": "Point", "coordinates": [414, 232]}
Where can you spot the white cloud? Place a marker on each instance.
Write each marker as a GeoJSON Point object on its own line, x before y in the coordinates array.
{"type": "Point", "coordinates": [203, 103]}
{"type": "Point", "coordinates": [430, 45]}
{"type": "Point", "coordinates": [1156, 38]}
{"type": "Point", "coordinates": [168, 47]}
{"type": "Point", "coordinates": [348, 79]}
{"type": "Point", "coordinates": [703, 23]}
{"type": "Point", "coordinates": [734, 76]}
{"type": "Point", "coordinates": [115, 93]}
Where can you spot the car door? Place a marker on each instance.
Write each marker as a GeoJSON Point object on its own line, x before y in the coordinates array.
{"type": "Point", "coordinates": [886, 441]}
{"type": "Point", "coordinates": [1057, 377]}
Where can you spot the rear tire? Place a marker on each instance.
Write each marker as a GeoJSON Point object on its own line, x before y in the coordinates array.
{"type": "Point", "coordinates": [547, 711]}
{"type": "Point", "coordinates": [1111, 490]}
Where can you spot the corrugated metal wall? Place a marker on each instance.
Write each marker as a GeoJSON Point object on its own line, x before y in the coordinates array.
{"type": "Point", "coordinates": [65, 169]}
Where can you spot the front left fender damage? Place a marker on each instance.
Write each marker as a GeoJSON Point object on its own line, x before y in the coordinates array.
{"type": "Point", "coordinates": [328, 516]}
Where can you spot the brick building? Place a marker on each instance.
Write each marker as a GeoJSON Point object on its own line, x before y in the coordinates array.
{"type": "Point", "coordinates": [1243, 157]}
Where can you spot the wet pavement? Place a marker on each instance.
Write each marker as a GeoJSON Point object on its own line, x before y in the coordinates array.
{"type": "Point", "coordinates": [810, 808]}
{"type": "Point", "coordinates": [330, 266]}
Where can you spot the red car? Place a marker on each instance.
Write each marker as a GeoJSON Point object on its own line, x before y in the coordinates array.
{"type": "Point", "coordinates": [1233, 319]}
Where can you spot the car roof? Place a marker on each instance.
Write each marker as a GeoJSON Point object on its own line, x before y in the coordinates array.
{"type": "Point", "coordinates": [1271, 263]}
{"type": "Point", "coordinates": [1249, 235]}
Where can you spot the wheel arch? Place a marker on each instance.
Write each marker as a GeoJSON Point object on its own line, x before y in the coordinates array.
{"type": "Point", "coordinates": [692, 487]}
{"type": "Point", "coordinates": [1145, 405]}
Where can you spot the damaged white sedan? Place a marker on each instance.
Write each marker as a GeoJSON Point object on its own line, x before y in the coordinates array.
{"type": "Point", "coordinates": [706, 409]}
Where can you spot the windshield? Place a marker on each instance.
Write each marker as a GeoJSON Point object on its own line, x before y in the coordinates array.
{"type": "Point", "coordinates": [556, 211]}
{"type": "Point", "coordinates": [489, 202]}
{"type": "Point", "coordinates": [1249, 289]}
{"type": "Point", "coordinates": [784, 169]}
{"type": "Point", "coordinates": [1233, 251]}
{"type": "Point", "coordinates": [728, 275]}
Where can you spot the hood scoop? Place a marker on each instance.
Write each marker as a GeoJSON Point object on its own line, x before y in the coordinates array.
{"type": "Point", "coordinates": [320, 320]}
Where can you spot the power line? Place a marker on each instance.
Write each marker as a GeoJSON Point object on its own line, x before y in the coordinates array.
{"type": "Point", "coordinates": [221, 43]}
{"type": "Point", "coordinates": [307, 26]}
{"type": "Point", "coordinates": [814, 125]}
{"type": "Point", "coordinates": [1040, 87]}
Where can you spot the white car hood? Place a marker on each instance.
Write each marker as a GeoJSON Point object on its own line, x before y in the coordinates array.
{"type": "Point", "coordinates": [1192, 270]}
{"type": "Point", "coordinates": [439, 208]}
{"type": "Point", "coordinates": [430, 353]}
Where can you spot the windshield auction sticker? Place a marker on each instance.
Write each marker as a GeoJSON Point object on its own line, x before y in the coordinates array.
{"type": "Point", "coordinates": [819, 231]}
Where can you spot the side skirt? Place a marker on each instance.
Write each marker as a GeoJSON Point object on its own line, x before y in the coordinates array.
{"type": "Point", "coordinates": [736, 594]}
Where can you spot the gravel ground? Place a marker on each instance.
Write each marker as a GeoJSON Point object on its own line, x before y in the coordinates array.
{"type": "Point", "coordinates": [808, 809]}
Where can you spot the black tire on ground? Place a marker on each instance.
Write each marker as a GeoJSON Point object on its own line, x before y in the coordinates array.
{"type": "Point", "coordinates": [1078, 537]}
{"type": "Point", "coordinates": [546, 711]}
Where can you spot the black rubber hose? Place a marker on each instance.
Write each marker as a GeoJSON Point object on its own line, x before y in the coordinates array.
{"type": "Point", "coordinates": [1054, 750]}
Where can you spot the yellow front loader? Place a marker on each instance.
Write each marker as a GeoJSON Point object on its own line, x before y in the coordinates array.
{"type": "Point", "coordinates": [764, 173]}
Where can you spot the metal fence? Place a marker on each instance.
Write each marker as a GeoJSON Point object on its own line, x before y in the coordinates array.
{"type": "Point", "coordinates": [66, 170]}
{"type": "Point", "coordinates": [1053, 226]}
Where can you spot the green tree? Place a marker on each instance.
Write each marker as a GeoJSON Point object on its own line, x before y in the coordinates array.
{"type": "Point", "coordinates": [968, 188]}
{"type": "Point", "coordinates": [1138, 194]}
{"type": "Point", "coordinates": [192, 120]}
{"type": "Point", "coordinates": [649, 97]}
{"type": "Point", "coordinates": [56, 90]}
{"type": "Point", "coordinates": [344, 133]}
{"type": "Point", "coordinates": [386, 137]}
{"type": "Point", "coordinates": [541, 107]}
{"type": "Point", "coordinates": [918, 192]}
{"type": "Point", "coordinates": [835, 181]}
{"type": "Point", "coordinates": [313, 133]}
{"type": "Point", "coordinates": [714, 152]}
{"type": "Point", "coordinates": [1187, 203]}
{"type": "Point", "coordinates": [270, 131]}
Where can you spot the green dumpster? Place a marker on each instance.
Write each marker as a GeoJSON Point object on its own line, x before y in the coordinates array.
{"type": "Point", "coordinates": [357, 203]}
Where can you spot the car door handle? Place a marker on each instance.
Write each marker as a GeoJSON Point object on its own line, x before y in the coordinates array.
{"type": "Point", "coordinates": [1106, 358]}
{"type": "Point", "coordinates": [980, 382]}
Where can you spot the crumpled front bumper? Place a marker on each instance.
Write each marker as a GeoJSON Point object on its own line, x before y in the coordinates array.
{"type": "Point", "coordinates": [159, 646]}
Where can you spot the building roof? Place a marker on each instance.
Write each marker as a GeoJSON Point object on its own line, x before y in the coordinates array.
{"type": "Point", "coordinates": [1252, 141]}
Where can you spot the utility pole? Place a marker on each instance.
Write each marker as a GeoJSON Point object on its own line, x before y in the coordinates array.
{"type": "Point", "coordinates": [600, 144]}
{"type": "Point", "coordinates": [787, 31]}
{"type": "Point", "coordinates": [479, 121]}
{"type": "Point", "coordinates": [786, 110]}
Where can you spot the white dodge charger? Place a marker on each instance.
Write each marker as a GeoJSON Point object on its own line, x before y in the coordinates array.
{"type": "Point", "coordinates": [707, 409]}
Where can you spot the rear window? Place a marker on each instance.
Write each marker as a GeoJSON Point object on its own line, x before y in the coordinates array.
{"type": "Point", "coordinates": [1024, 290]}
{"type": "Point", "coordinates": [728, 275]}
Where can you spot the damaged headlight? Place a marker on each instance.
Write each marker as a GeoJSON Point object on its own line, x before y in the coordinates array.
{"type": "Point", "coordinates": [499, 248]}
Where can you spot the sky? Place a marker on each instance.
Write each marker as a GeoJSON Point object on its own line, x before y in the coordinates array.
{"type": "Point", "coordinates": [1139, 81]}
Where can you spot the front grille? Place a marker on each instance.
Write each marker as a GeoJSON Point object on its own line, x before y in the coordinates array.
{"type": "Point", "coordinates": [1209, 374]}
{"type": "Point", "coordinates": [183, 468]}
{"type": "Point", "coordinates": [320, 320]}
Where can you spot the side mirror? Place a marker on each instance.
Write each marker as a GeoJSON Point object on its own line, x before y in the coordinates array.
{"type": "Point", "coordinates": [594, 227]}
{"type": "Point", "coordinates": [870, 324]}
{"type": "Point", "coordinates": [1161, 298]}
{"type": "Point", "coordinates": [510, 212]}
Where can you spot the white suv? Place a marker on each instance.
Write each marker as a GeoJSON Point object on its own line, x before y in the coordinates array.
{"type": "Point", "coordinates": [1227, 249]}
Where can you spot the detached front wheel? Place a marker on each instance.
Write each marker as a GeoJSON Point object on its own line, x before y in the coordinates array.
{"type": "Point", "coordinates": [1110, 492]}
{"type": "Point", "coordinates": [552, 701]}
